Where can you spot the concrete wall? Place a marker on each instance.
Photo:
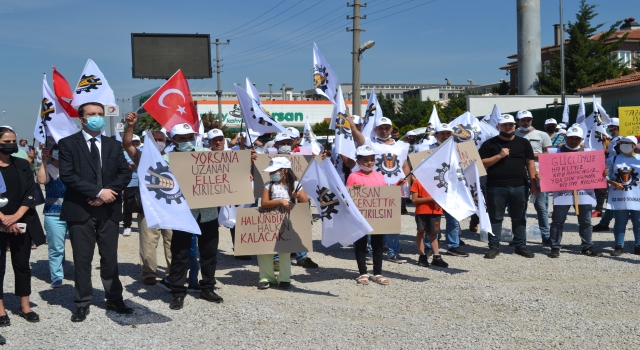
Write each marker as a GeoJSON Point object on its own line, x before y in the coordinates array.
{"type": "Point", "coordinates": [482, 105]}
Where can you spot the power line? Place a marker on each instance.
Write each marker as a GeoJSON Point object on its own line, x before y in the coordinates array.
{"type": "Point", "coordinates": [390, 7]}
{"type": "Point", "coordinates": [395, 13]}
{"type": "Point", "coordinates": [266, 20]}
{"type": "Point", "coordinates": [231, 31]}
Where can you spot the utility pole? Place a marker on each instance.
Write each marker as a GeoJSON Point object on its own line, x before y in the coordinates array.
{"type": "Point", "coordinates": [270, 92]}
{"type": "Point", "coordinates": [562, 92]}
{"type": "Point", "coordinates": [355, 65]}
{"type": "Point", "coordinates": [218, 65]}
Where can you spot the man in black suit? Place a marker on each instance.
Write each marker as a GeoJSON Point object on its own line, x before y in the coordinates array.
{"type": "Point", "coordinates": [95, 171]}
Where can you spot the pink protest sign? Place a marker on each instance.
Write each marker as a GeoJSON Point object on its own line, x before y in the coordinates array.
{"type": "Point", "coordinates": [565, 171]}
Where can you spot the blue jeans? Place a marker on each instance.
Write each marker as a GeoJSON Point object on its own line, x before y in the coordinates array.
{"type": "Point", "coordinates": [56, 230]}
{"type": "Point", "coordinates": [619, 227]}
{"type": "Point", "coordinates": [194, 269]}
{"type": "Point", "coordinates": [607, 216]}
{"type": "Point", "coordinates": [542, 209]}
{"type": "Point", "coordinates": [584, 225]}
{"type": "Point", "coordinates": [497, 200]}
{"type": "Point", "coordinates": [393, 244]}
{"type": "Point", "coordinates": [299, 256]}
{"type": "Point", "coordinates": [452, 236]}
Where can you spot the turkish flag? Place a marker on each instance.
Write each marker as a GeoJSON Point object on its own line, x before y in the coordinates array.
{"type": "Point", "coordinates": [63, 90]}
{"type": "Point", "coordinates": [173, 104]}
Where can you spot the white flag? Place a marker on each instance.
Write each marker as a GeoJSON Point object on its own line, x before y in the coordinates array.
{"type": "Point", "coordinates": [434, 120]}
{"type": "Point", "coordinates": [309, 139]}
{"type": "Point", "coordinates": [565, 112]}
{"type": "Point", "coordinates": [582, 111]}
{"type": "Point", "coordinates": [255, 117]}
{"type": "Point", "coordinates": [344, 139]}
{"type": "Point", "coordinates": [473, 181]}
{"type": "Point", "coordinates": [342, 222]}
{"type": "Point", "coordinates": [467, 127]}
{"type": "Point", "coordinates": [595, 130]}
{"type": "Point", "coordinates": [116, 134]}
{"type": "Point", "coordinates": [495, 116]}
{"type": "Point", "coordinates": [441, 175]}
{"type": "Point", "coordinates": [325, 81]}
{"type": "Point", "coordinates": [603, 114]}
{"type": "Point", "coordinates": [487, 132]}
{"type": "Point", "coordinates": [164, 205]}
{"type": "Point", "coordinates": [93, 87]}
{"type": "Point", "coordinates": [39, 131]}
{"type": "Point", "coordinates": [56, 121]}
{"type": "Point", "coordinates": [371, 116]}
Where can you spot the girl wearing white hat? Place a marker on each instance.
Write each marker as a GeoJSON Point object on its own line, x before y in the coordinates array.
{"type": "Point", "coordinates": [282, 190]}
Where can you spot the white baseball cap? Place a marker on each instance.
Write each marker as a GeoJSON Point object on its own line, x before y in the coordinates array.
{"type": "Point", "coordinates": [182, 129]}
{"type": "Point", "coordinates": [364, 150]}
{"type": "Point", "coordinates": [562, 132]}
{"type": "Point", "coordinates": [629, 139]}
{"type": "Point", "coordinates": [575, 131]}
{"type": "Point", "coordinates": [562, 125]}
{"type": "Point", "coordinates": [213, 133]}
{"type": "Point", "coordinates": [550, 121]}
{"type": "Point", "coordinates": [443, 127]}
{"type": "Point", "coordinates": [506, 118]}
{"type": "Point", "coordinates": [278, 163]}
{"type": "Point", "coordinates": [486, 118]}
{"type": "Point", "coordinates": [295, 132]}
{"type": "Point", "coordinates": [410, 133]}
{"type": "Point", "coordinates": [614, 122]}
{"type": "Point", "coordinates": [7, 126]}
{"type": "Point", "coordinates": [356, 119]}
{"type": "Point", "coordinates": [282, 136]}
{"type": "Point", "coordinates": [524, 114]}
{"type": "Point", "coordinates": [384, 121]}
{"type": "Point", "coordinates": [135, 138]}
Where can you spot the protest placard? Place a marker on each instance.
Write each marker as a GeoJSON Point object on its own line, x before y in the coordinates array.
{"type": "Point", "coordinates": [380, 206]}
{"type": "Point", "coordinates": [213, 179]}
{"type": "Point", "coordinates": [566, 171]}
{"type": "Point", "coordinates": [298, 164]}
{"type": "Point", "coordinates": [274, 230]}
{"type": "Point", "coordinates": [629, 120]}
{"type": "Point", "coordinates": [467, 152]}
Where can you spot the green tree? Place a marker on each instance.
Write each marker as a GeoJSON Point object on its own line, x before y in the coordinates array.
{"type": "Point", "coordinates": [321, 129]}
{"type": "Point", "coordinates": [456, 105]}
{"type": "Point", "coordinates": [212, 121]}
{"type": "Point", "coordinates": [146, 122]}
{"type": "Point", "coordinates": [412, 111]}
{"type": "Point", "coordinates": [504, 88]}
{"type": "Point", "coordinates": [587, 61]}
{"type": "Point", "coordinates": [387, 105]}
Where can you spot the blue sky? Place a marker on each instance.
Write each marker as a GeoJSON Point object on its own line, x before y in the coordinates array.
{"type": "Point", "coordinates": [458, 40]}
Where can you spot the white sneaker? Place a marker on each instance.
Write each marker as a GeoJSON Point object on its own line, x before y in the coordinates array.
{"type": "Point", "coordinates": [127, 232]}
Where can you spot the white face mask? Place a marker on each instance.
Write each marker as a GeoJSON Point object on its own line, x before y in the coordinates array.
{"type": "Point", "coordinates": [522, 128]}
{"type": "Point", "coordinates": [284, 149]}
{"type": "Point", "coordinates": [365, 168]}
{"type": "Point", "coordinates": [572, 148]}
{"type": "Point", "coordinates": [626, 148]}
{"type": "Point", "coordinates": [384, 138]}
{"type": "Point", "coordinates": [160, 146]}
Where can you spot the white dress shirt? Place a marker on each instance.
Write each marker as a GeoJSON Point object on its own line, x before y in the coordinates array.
{"type": "Point", "coordinates": [98, 137]}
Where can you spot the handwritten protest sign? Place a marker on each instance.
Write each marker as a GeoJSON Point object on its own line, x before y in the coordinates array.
{"type": "Point", "coordinates": [298, 164]}
{"type": "Point", "coordinates": [565, 171]}
{"type": "Point", "coordinates": [629, 120]}
{"type": "Point", "coordinates": [380, 206]}
{"type": "Point", "coordinates": [270, 231]}
{"type": "Point", "coordinates": [213, 179]}
{"type": "Point", "coordinates": [467, 152]}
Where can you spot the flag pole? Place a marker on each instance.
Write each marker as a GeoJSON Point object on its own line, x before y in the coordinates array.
{"type": "Point", "coordinates": [575, 202]}
{"type": "Point", "coordinates": [303, 174]}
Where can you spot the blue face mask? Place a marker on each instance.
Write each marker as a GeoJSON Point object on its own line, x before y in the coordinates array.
{"type": "Point", "coordinates": [186, 146]}
{"type": "Point", "coordinates": [275, 177]}
{"type": "Point", "coordinates": [95, 123]}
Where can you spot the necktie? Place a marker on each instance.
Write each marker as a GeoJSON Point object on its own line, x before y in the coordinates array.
{"type": "Point", "coordinates": [95, 157]}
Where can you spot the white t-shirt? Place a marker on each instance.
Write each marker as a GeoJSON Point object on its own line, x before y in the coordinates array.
{"type": "Point", "coordinates": [538, 139]}
{"type": "Point", "coordinates": [279, 191]}
{"type": "Point", "coordinates": [625, 170]}
{"type": "Point", "coordinates": [390, 159]}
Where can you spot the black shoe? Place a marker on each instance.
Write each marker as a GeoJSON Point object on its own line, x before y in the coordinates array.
{"type": "Point", "coordinates": [307, 263]}
{"type": "Point", "coordinates": [243, 257]}
{"type": "Point", "coordinates": [555, 253]}
{"type": "Point", "coordinates": [591, 252]}
{"type": "Point", "coordinates": [210, 295]}
{"type": "Point", "coordinates": [3, 341]}
{"type": "Point", "coordinates": [5, 321]}
{"type": "Point", "coordinates": [492, 253]}
{"type": "Point", "coordinates": [546, 241]}
{"type": "Point", "coordinates": [428, 251]}
{"type": "Point", "coordinates": [284, 285]}
{"type": "Point", "coordinates": [457, 252]}
{"type": "Point", "coordinates": [423, 261]}
{"type": "Point", "coordinates": [80, 315]}
{"type": "Point", "coordinates": [617, 251]}
{"type": "Point", "coordinates": [523, 251]}
{"type": "Point", "coordinates": [119, 307]}
{"type": "Point", "coordinates": [437, 261]}
{"type": "Point", "coordinates": [636, 250]}
{"type": "Point", "coordinates": [176, 303]}
{"type": "Point", "coordinates": [164, 284]}
{"type": "Point", "coordinates": [29, 316]}
{"type": "Point", "coordinates": [462, 244]}
{"type": "Point", "coordinates": [264, 285]}
{"type": "Point", "coordinates": [600, 228]}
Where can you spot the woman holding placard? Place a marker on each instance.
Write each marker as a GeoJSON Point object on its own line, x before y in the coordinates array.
{"type": "Point", "coordinates": [282, 190]}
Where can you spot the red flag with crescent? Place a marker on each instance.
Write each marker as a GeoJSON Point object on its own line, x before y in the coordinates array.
{"type": "Point", "coordinates": [63, 90]}
{"type": "Point", "coordinates": [173, 104]}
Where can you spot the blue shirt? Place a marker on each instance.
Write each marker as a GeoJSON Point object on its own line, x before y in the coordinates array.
{"type": "Point", "coordinates": [55, 195]}
{"type": "Point", "coordinates": [556, 140]}
{"type": "Point", "coordinates": [3, 187]}
{"type": "Point", "coordinates": [134, 172]}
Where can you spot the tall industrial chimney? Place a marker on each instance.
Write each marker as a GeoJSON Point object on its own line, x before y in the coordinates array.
{"type": "Point", "coordinates": [529, 61]}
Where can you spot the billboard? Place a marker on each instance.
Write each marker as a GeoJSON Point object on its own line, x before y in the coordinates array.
{"type": "Point", "coordinates": [159, 56]}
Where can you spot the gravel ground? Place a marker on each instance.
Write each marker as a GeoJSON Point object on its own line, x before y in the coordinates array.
{"type": "Point", "coordinates": [507, 303]}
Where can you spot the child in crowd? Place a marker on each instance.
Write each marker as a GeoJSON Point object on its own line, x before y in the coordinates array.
{"type": "Point", "coordinates": [428, 214]}
{"type": "Point", "coordinates": [366, 176]}
{"type": "Point", "coordinates": [281, 191]}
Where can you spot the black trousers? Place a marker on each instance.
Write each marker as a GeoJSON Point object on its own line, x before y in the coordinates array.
{"type": "Point", "coordinates": [84, 235]}
{"type": "Point", "coordinates": [127, 221]}
{"type": "Point", "coordinates": [20, 253]}
{"type": "Point", "coordinates": [208, 248]}
{"type": "Point", "coordinates": [361, 253]}
{"type": "Point", "coordinates": [601, 197]}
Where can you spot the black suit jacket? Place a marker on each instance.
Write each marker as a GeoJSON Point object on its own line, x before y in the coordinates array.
{"type": "Point", "coordinates": [78, 173]}
{"type": "Point", "coordinates": [28, 192]}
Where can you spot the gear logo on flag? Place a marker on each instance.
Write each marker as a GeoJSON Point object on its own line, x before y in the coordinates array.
{"type": "Point", "coordinates": [261, 120]}
{"type": "Point", "coordinates": [320, 78]}
{"type": "Point", "coordinates": [388, 164]}
{"type": "Point", "coordinates": [441, 177]}
{"type": "Point", "coordinates": [236, 111]}
{"type": "Point", "coordinates": [88, 83]}
{"type": "Point", "coordinates": [462, 133]}
{"type": "Point", "coordinates": [47, 109]}
{"type": "Point", "coordinates": [474, 193]}
{"type": "Point", "coordinates": [343, 127]}
{"type": "Point", "coordinates": [328, 202]}
{"type": "Point", "coordinates": [627, 177]}
{"type": "Point", "coordinates": [371, 108]}
{"type": "Point", "coordinates": [161, 181]}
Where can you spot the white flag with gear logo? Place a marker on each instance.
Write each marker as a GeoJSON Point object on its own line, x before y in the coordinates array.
{"type": "Point", "coordinates": [54, 121]}
{"type": "Point", "coordinates": [473, 182]}
{"type": "Point", "coordinates": [164, 205]}
{"type": "Point", "coordinates": [467, 127]}
{"type": "Point", "coordinates": [93, 87]}
{"type": "Point", "coordinates": [255, 117]}
{"type": "Point", "coordinates": [441, 175]}
{"type": "Point", "coordinates": [342, 222]}
{"type": "Point", "coordinates": [372, 116]}
{"type": "Point", "coordinates": [325, 80]}
{"type": "Point", "coordinates": [344, 139]}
